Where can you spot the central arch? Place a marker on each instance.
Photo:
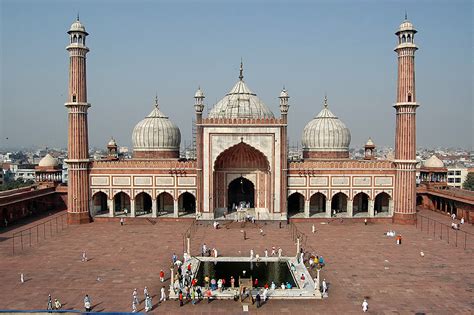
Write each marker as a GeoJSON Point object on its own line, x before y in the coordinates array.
{"type": "Point", "coordinates": [241, 191]}
{"type": "Point", "coordinates": [241, 174]}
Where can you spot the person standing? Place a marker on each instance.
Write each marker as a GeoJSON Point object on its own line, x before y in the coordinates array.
{"type": "Point", "coordinates": [148, 303]}
{"type": "Point", "coordinates": [84, 256]}
{"type": "Point", "coordinates": [245, 235]}
{"type": "Point", "coordinates": [313, 229]}
{"type": "Point", "coordinates": [163, 294]}
{"type": "Point", "coordinates": [22, 279]}
{"type": "Point", "coordinates": [174, 258]}
{"type": "Point", "coordinates": [258, 299]}
{"type": "Point", "coordinates": [325, 287]}
{"type": "Point", "coordinates": [145, 291]}
{"type": "Point", "coordinates": [232, 282]}
{"type": "Point", "coordinates": [273, 251]}
{"type": "Point", "coordinates": [87, 303]}
{"type": "Point", "coordinates": [251, 254]}
{"type": "Point", "coordinates": [204, 249]}
{"type": "Point", "coordinates": [50, 303]}
{"type": "Point", "coordinates": [125, 211]}
{"type": "Point", "coordinates": [462, 220]}
{"type": "Point", "coordinates": [162, 275]}
{"type": "Point", "coordinates": [121, 221]}
{"type": "Point", "coordinates": [266, 253]}
{"type": "Point", "coordinates": [265, 293]}
{"type": "Point", "coordinates": [365, 306]}
{"type": "Point", "coordinates": [135, 296]}
{"type": "Point", "coordinates": [280, 251]}
{"type": "Point", "coordinates": [134, 307]}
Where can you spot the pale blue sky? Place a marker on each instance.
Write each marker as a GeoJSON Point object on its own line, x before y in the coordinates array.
{"type": "Point", "coordinates": [138, 48]}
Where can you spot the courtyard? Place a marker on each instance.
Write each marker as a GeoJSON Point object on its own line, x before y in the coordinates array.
{"type": "Point", "coordinates": [361, 262]}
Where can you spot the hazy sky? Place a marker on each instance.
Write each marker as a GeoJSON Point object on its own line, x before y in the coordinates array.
{"type": "Point", "coordinates": [139, 48]}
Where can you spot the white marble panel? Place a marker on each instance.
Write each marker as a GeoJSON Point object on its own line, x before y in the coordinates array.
{"type": "Point", "coordinates": [319, 181]}
{"type": "Point", "coordinates": [383, 181]}
{"type": "Point", "coordinates": [296, 181]}
{"type": "Point", "coordinates": [143, 181]}
{"type": "Point", "coordinates": [340, 181]}
{"type": "Point", "coordinates": [361, 181]}
{"type": "Point", "coordinates": [186, 181]}
{"type": "Point", "coordinates": [164, 181]}
{"type": "Point", "coordinates": [100, 181]}
{"type": "Point", "coordinates": [121, 181]}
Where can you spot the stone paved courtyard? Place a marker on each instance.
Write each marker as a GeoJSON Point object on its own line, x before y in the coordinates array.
{"type": "Point", "coordinates": [361, 262]}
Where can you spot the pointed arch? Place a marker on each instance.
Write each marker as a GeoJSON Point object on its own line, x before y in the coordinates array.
{"type": "Point", "coordinates": [122, 203]}
{"type": "Point", "coordinates": [241, 156]}
{"type": "Point", "coordinates": [295, 204]}
{"type": "Point", "coordinates": [99, 203]}
{"type": "Point", "coordinates": [187, 202]}
{"type": "Point", "coordinates": [382, 202]}
{"type": "Point", "coordinates": [317, 203]}
{"type": "Point", "coordinates": [143, 203]}
{"type": "Point", "coordinates": [165, 203]}
{"type": "Point", "coordinates": [339, 202]}
{"type": "Point", "coordinates": [360, 203]}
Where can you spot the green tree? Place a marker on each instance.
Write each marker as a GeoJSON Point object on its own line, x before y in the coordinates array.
{"type": "Point", "coordinates": [16, 183]}
{"type": "Point", "coordinates": [469, 182]}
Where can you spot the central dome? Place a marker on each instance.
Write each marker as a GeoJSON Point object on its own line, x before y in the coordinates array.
{"type": "Point", "coordinates": [240, 102]}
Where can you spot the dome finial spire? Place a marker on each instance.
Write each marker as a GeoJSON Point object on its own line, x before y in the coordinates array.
{"type": "Point", "coordinates": [241, 76]}
{"type": "Point", "coordinates": [156, 101]}
{"type": "Point", "coordinates": [77, 18]}
{"type": "Point", "coordinates": [406, 15]}
{"type": "Point", "coordinates": [325, 100]}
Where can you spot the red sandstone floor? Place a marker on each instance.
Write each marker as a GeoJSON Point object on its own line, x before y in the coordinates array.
{"type": "Point", "coordinates": [361, 262]}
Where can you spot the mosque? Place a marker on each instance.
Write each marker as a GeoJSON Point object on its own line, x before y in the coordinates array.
{"type": "Point", "coordinates": [241, 162]}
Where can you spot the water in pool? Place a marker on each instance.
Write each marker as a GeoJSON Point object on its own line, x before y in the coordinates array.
{"type": "Point", "coordinates": [265, 272]}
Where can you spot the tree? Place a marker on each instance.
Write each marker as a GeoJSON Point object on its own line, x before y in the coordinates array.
{"type": "Point", "coordinates": [469, 182]}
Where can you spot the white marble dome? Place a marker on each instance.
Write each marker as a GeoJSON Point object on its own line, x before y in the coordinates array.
{"type": "Point", "coordinates": [433, 162]}
{"type": "Point", "coordinates": [326, 133]}
{"type": "Point", "coordinates": [77, 26]}
{"type": "Point", "coordinates": [48, 161]}
{"type": "Point", "coordinates": [240, 102]}
{"type": "Point", "coordinates": [156, 132]}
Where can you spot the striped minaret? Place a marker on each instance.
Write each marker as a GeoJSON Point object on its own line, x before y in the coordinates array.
{"type": "Point", "coordinates": [405, 135]}
{"type": "Point", "coordinates": [78, 145]}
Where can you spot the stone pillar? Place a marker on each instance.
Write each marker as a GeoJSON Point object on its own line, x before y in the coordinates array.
{"type": "Point", "coordinates": [371, 208]}
{"type": "Point", "coordinates": [175, 208]}
{"type": "Point", "coordinates": [132, 208]}
{"type": "Point", "coordinates": [390, 206]}
{"type": "Point", "coordinates": [110, 204]}
{"type": "Point", "coordinates": [328, 208]}
{"type": "Point", "coordinates": [188, 246]}
{"type": "Point", "coordinates": [306, 208]}
{"type": "Point", "coordinates": [153, 208]}
{"type": "Point", "coordinates": [297, 246]}
{"type": "Point", "coordinates": [349, 208]}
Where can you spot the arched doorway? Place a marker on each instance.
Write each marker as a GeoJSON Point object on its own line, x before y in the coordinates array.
{"type": "Point", "coordinates": [99, 203]}
{"type": "Point", "coordinates": [121, 203]}
{"type": "Point", "coordinates": [241, 175]}
{"type": "Point", "coordinates": [339, 203]}
{"type": "Point", "coordinates": [241, 191]}
{"type": "Point", "coordinates": [360, 204]}
{"type": "Point", "coordinates": [295, 204]}
{"type": "Point", "coordinates": [187, 203]}
{"type": "Point", "coordinates": [165, 204]}
{"type": "Point", "coordinates": [382, 203]}
{"type": "Point", "coordinates": [317, 204]}
{"type": "Point", "coordinates": [143, 204]}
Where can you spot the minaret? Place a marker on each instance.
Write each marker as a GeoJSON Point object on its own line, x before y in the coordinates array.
{"type": "Point", "coordinates": [78, 145]}
{"type": "Point", "coordinates": [284, 106]}
{"type": "Point", "coordinates": [405, 137]}
{"type": "Point", "coordinates": [199, 107]}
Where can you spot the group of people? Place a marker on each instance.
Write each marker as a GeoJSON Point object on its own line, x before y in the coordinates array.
{"type": "Point", "coordinates": [206, 251]}
{"type": "Point", "coordinates": [454, 225]}
{"type": "Point", "coordinates": [53, 306]}
{"type": "Point", "coordinates": [136, 302]}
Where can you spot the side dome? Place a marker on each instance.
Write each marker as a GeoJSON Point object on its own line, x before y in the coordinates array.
{"type": "Point", "coordinates": [48, 161]}
{"type": "Point", "coordinates": [156, 136]}
{"type": "Point", "coordinates": [433, 162]}
{"type": "Point", "coordinates": [326, 136]}
{"type": "Point", "coordinates": [240, 102]}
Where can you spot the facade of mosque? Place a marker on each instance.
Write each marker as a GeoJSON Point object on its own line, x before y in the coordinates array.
{"type": "Point", "coordinates": [241, 164]}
